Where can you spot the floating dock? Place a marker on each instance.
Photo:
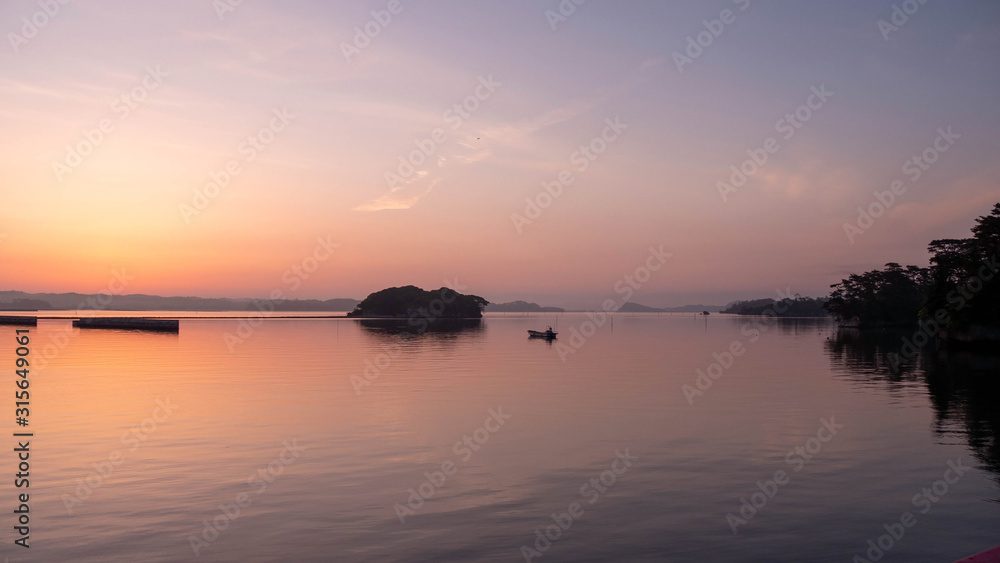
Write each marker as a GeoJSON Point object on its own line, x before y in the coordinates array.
{"type": "Point", "coordinates": [127, 323]}
{"type": "Point", "coordinates": [19, 321]}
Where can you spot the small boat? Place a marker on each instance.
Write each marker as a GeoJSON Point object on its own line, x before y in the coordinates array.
{"type": "Point", "coordinates": [547, 334]}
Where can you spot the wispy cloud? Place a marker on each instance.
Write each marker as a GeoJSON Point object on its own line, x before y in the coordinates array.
{"type": "Point", "coordinates": [516, 134]}
{"type": "Point", "coordinates": [397, 198]}
{"type": "Point", "coordinates": [521, 135]}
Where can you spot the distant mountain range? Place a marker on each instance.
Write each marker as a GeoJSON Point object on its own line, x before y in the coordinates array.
{"type": "Point", "coordinates": [20, 301]}
{"type": "Point", "coordinates": [521, 307]}
{"type": "Point", "coordinates": [637, 308]}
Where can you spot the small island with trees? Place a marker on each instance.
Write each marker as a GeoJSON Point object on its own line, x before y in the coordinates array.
{"type": "Point", "coordinates": [958, 295]}
{"type": "Point", "coordinates": [412, 302]}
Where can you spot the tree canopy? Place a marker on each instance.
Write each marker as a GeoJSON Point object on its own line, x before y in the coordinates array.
{"type": "Point", "coordinates": [888, 297]}
{"type": "Point", "coordinates": [964, 275]}
{"type": "Point", "coordinates": [960, 285]}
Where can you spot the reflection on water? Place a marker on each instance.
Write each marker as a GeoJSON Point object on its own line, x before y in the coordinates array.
{"type": "Point", "coordinates": [963, 386]}
{"type": "Point", "coordinates": [801, 326]}
{"type": "Point", "coordinates": [872, 355]}
{"type": "Point", "coordinates": [375, 409]}
{"type": "Point", "coordinates": [440, 327]}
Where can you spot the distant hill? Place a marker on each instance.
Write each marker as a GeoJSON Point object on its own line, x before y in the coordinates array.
{"type": "Point", "coordinates": [139, 302]}
{"type": "Point", "coordinates": [637, 308]}
{"type": "Point", "coordinates": [694, 309]}
{"type": "Point", "coordinates": [25, 305]}
{"type": "Point", "coordinates": [342, 304]}
{"type": "Point", "coordinates": [521, 307]}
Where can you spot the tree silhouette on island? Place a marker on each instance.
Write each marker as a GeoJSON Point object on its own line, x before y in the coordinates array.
{"type": "Point", "coordinates": [959, 293]}
{"type": "Point", "coordinates": [412, 302]}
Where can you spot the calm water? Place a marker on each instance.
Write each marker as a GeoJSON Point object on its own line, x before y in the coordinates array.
{"type": "Point", "coordinates": [235, 403]}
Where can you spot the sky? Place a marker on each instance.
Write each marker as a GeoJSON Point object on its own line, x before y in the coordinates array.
{"type": "Point", "coordinates": [332, 149]}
